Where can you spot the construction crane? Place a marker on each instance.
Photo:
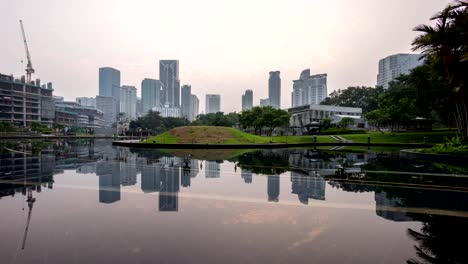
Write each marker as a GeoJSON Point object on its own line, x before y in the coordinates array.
{"type": "Point", "coordinates": [30, 201]}
{"type": "Point", "coordinates": [29, 68]}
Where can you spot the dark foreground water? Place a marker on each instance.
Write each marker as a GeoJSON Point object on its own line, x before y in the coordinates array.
{"type": "Point", "coordinates": [90, 202]}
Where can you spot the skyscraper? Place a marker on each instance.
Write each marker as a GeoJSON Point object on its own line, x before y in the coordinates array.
{"type": "Point", "coordinates": [128, 101]}
{"type": "Point", "coordinates": [109, 84]}
{"type": "Point", "coordinates": [212, 103]}
{"type": "Point", "coordinates": [107, 105]}
{"type": "Point", "coordinates": [247, 100]}
{"type": "Point", "coordinates": [169, 76]}
{"type": "Point", "coordinates": [186, 104]}
{"type": "Point", "coordinates": [309, 89]}
{"type": "Point", "coordinates": [195, 107]}
{"type": "Point", "coordinates": [393, 66]}
{"type": "Point", "coordinates": [274, 89]}
{"type": "Point", "coordinates": [150, 94]}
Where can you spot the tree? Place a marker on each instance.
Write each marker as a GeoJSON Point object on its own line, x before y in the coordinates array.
{"type": "Point", "coordinates": [259, 117]}
{"type": "Point", "coordinates": [153, 121]}
{"type": "Point", "coordinates": [326, 123]}
{"type": "Point", "coordinates": [362, 97]}
{"type": "Point", "coordinates": [446, 44]}
{"type": "Point", "coordinates": [217, 119]}
{"type": "Point", "coordinates": [6, 127]}
{"type": "Point", "coordinates": [377, 118]}
{"type": "Point", "coordinates": [345, 122]}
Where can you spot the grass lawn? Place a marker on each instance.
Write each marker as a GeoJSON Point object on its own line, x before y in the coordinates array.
{"type": "Point", "coordinates": [407, 137]}
{"type": "Point", "coordinates": [225, 135]}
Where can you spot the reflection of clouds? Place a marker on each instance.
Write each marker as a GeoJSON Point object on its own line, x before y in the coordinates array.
{"type": "Point", "coordinates": [264, 216]}
{"type": "Point", "coordinates": [311, 236]}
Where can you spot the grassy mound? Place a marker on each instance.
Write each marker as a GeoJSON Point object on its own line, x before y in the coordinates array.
{"type": "Point", "coordinates": [206, 135]}
{"type": "Point", "coordinates": [224, 135]}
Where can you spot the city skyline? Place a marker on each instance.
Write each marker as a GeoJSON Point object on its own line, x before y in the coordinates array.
{"type": "Point", "coordinates": [349, 48]}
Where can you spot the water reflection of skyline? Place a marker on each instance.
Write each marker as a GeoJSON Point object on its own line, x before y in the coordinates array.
{"type": "Point", "coordinates": [119, 167]}
{"type": "Point", "coordinates": [310, 174]}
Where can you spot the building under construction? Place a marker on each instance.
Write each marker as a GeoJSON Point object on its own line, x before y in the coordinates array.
{"type": "Point", "coordinates": [23, 103]}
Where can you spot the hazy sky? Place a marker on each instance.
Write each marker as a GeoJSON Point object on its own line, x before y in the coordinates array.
{"type": "Point", "coordinates": [223, 46]}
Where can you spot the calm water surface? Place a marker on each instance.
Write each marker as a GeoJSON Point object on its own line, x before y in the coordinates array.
{"type": "Point", "coordinates": [90, 202]}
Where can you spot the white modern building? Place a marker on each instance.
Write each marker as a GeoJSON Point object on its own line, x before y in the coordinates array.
{"type": "Point", "coordinates": [128, 101]}
{"type": "Point", "coordinates": [167, 111]}
{"type": "Point", "coordinates": [195, 105]}
{"type": "Point", "coordinates": [393, 66]}
{"type": "Point", "coordinates": [309, 89]}
{"type": "Point", "coordinates": [107, 105]}
{"type": "Point", "coordinates": [151, 90]}
{"type": "Point", "coordinates": [86, 101]}
{"type": "Point", "coordinates": [306, 115]}
{"type": "Point", "coordinates": [212, 103]}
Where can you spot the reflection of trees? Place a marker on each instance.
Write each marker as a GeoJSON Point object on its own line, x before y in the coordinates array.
{"type": "Point", "coordinates": [264, 162]}
{"type": "Point", "coordinates": [352, 187]}
{"type": "Point", "coordinates": [440, 240]}
{"type": "Point", "coordinates": [150, 154]}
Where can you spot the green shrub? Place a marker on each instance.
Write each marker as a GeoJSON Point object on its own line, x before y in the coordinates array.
{"type": "Point", "coordinates": [454, 146]}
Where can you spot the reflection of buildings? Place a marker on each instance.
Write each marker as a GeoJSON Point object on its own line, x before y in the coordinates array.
{"type": "Point", "coordinates": [246, 175]}
{"type": "Point", "coordinates": [109, 181]}
{"type": "Point", "coordinates": [384, 204]}
{"type": "Point", "coordinates": [212, 169]}
{"type": "Point", "coordinates": [169, 194]}
{"type": "Point", "coordinates": [151, 178]}
{"type": "Point", "coordinates": [185, 177]}
{"type": "Point", "coordinates": [307, 186]}
{"type": "Point", "coordinates": [128, 171]}
{"type": "Point", "coordinates": [20, 171]}
{"type": "Point", "coordinates": [273, 188]}
{"type": "Point", "coordinates": [194, 168]}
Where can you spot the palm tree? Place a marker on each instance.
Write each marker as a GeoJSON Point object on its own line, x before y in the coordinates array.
{"type": "Point", "coordinates": [446, 44]}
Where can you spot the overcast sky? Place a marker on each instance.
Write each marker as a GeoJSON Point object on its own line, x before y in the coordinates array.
{"type": "Point", "coordinates": [223, 46]}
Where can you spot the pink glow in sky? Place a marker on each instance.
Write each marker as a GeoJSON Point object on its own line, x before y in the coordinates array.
{"type": "Point", "coordinates": [223, 47]}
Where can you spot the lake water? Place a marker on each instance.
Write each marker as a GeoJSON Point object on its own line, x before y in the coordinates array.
{"type": "Point", "coordinates": [90, 202]}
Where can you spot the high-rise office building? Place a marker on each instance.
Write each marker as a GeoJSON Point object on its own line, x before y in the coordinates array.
{"type": "Point", "coordinates": [128, 101]}
{"type": "Point", "coordinates": [150, 94]}
{"type": "Point", "coordinates": [265, 102]}
{"type": "Point", "coordinates": [87, 101]}
{"type": "Point", "coordinates": [274, 89]}
{"type": "Point", "coordinates": [212, 103]}
{"type": "Point", "coordinates": [139, 107]}
{"type": "Point", "coordinates": [107, 105]}
{"type": "Point", "coordinates": [393, 66]}
{"type": "Point", "coordinates": [109, 84]}
{"type": "Point", "coordinates": [194, 107]}
{"type": "Point", "coordinates": [247, 100]}
{"type": "Point", "coordinates": [309, 89]}
{"type": "Point", "coordinates": [186, 104]}
{"type": "Point", "coordinates": [169, 76]}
